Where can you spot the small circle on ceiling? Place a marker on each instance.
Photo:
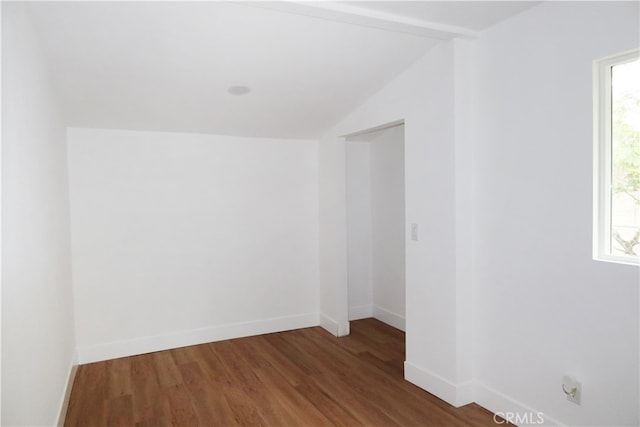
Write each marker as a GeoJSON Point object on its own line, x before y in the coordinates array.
{"type": "Point", "coordinates": [239, 90]}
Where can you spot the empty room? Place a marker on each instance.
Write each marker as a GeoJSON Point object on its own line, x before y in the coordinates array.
{"type": "Point", "coordinates": [320, 213]}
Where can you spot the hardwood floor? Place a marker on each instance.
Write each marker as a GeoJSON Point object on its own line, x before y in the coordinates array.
{"type": "Point", "coordinates": [305, 377]}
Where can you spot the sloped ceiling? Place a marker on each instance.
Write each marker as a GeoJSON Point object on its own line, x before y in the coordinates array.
{"type": "Point", "coordinates": [167, 66]}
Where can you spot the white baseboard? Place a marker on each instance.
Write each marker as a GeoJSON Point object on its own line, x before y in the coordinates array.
{"type": "Point", "coordinates": [389, 317]}
{"type": "Point", "coordinates": [454, 394]}
{"type": "Point", "coordinates": [67, 392]}
{"type": "Point", "coordinates": [114, 350]}
{"type": "Point", "coordinates": [329, 324]}
{"type": "Point", "coordinates": [360, 312]}
{"type": "Point", "coordinates": [504, 406]}
{"type": "Point", "coordinates": [333, 326]}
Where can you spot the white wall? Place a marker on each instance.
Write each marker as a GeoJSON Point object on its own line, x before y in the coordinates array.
{"type": "Point", "coordinates": [186, 238]}
{"type": "Point", "coordinates": [332, 226]}
{"type": "Point", "coordinates": [38, 347]}
{"type": "Point", "coordinates": [543, 307]}
{"type": "Point", "coordinates": [359, 250]}
{"type": "Point", "coordinates": [423, 96]}
{"type": "Point", "coordinates": [387, 226]}
{"type": "Point", "coordinates": [375, 225]}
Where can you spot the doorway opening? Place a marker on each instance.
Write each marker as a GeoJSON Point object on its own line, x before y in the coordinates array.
{"type": "Point", "coordinates": [375, 179]}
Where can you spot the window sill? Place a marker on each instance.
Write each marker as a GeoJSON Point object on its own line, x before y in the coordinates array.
{"type": "Point", "coordinates": [619, 260]}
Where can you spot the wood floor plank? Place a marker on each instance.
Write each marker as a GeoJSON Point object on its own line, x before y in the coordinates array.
{"type": "Point", "coordinates": [245, 410]}
{"type": "Point", "coordinates": [92, 385]}
{"type": "Point", "coordinates": [305, 377]}
{"type": "Point", "coordinates": [120, 411]}
{"type": "Point", "coordinates": [180, 407]}
{"type": "Point", "coordinates": [166, 369]}
{"type": "Point", "coordinates": [330, 408]}
{"type": "Point", "coordinates": [366, 411]}
{"type": "Point", "coordinates": [212, 366]}
{"type": "Point", "coordinates": [282, 343]}
{"type": "Point", "coordinates": [298, 408]}
{"type": "Point", "coordinates": [119, 374]}
{"type": "Point", "coordinates": [148, 397]}
{"type": "Point", "coordinates": [281, 362]}
{"type": "Point", "coordinates": [209, 410]}
{"type": "Point", "coordinates": [182, 355]}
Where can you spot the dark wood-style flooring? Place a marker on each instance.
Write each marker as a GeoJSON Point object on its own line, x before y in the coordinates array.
{"type": "Point", "coordinates": [305, 377]}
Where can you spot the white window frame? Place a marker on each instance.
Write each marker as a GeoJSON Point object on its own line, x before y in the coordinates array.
{"type": "Point", "coordinates": [602, 156]}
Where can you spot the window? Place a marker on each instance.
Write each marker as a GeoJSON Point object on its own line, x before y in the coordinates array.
{"type": "Point", "coordinates": [617, 158]}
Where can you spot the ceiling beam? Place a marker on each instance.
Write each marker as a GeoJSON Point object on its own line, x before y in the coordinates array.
{"type": "Point", "coordinates": [355, 15]}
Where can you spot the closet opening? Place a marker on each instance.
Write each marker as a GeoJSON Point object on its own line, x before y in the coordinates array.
{"type": "Point", "coordinates": [375, 180]}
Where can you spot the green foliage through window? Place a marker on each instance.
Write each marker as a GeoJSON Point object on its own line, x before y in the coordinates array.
{"type": "Point", "coordinates": [625, 158]}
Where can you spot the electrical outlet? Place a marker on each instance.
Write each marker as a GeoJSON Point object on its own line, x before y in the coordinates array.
{"type": "Point", "coordinates": [572, 389]}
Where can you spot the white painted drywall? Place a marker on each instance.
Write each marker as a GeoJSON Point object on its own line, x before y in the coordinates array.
{"type": "Point", "coordinates": [332, 226]}
{"type": "Point", "coordinates": [543, 307]}
{"type": "Point", "coordinates": [359, 250]}
{"type": "Point", "coordinates": [387, 226]}
{"type": "Point", "coordinates": [38, 345]}
{"type": "Point", "coordinates": [422, 96]}
{"type": "Point", "coordinates": [185, 238]}
{"type": "Point", "coordinates": [375, 225]}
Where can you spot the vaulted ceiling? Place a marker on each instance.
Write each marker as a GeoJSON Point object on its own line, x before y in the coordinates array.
{"type": "Point", "coordinates": [168, 66]}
